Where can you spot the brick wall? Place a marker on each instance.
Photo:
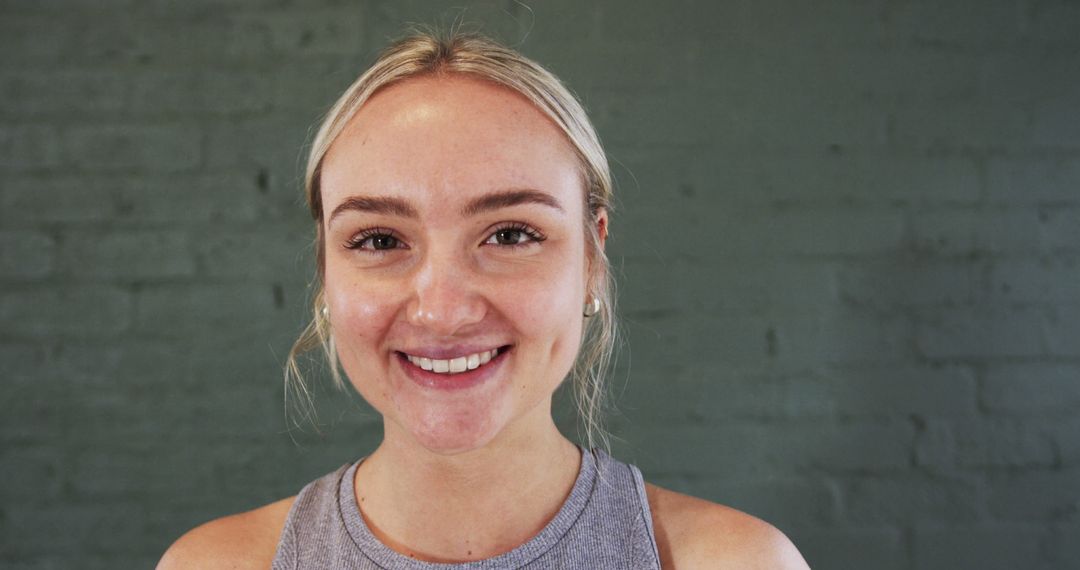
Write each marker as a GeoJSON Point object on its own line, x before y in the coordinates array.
{"type": "Point", "coordinates": [848, 240]}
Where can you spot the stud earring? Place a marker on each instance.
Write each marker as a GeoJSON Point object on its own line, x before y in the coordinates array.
{"type": "Point", "coordinates": [325, 312]}
{"type": "Point", "coordinates": [592, 307]}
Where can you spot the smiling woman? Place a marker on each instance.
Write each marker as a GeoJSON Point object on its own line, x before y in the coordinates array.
{"type": "Point", "coordinates": [461, 200]}
{"type": "Point", "coordinates": [466, 262]}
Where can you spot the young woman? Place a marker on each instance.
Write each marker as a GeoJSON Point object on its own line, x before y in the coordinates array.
{"type": "Point", "coordinates": [460, 198]}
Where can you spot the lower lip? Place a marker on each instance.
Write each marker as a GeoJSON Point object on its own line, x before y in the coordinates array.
{"type": "Point", "coordinates": [458, 381]}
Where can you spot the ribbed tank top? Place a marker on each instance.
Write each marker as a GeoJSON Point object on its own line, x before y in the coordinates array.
{"type": "Point", "coordinates": [604, 523]}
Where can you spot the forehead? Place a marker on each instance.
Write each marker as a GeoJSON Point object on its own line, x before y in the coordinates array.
{"type": "Point", "coordinates": [433, 139]}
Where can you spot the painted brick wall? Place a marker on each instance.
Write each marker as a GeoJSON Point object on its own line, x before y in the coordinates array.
{"type": "Point", "coordinates": [848, 240]}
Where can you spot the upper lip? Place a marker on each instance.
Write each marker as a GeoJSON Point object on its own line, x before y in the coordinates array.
{"type": "Point", "coordinates": [449, 352]}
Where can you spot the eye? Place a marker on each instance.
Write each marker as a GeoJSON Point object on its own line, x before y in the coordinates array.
{"type": "Point", "coordinates": [514, 234]}
{"type": "Point", "coordinates": [509, 237]}
{"type": "Point", "coordinates": [383, 242]}
{"type": "Point", "coordinates": [375, 239]}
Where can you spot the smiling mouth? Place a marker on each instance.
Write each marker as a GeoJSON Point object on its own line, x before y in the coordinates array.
{"type": "Point", "coordinates": [455, 365]}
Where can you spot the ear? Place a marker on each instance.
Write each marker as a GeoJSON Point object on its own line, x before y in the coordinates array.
{"type": "Point", "coordinates": [602, 226]}
{"type": "Point", "coordinates": [602, 233]}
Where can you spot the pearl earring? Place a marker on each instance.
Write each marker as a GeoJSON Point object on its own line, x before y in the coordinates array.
{"type": "Point", "coordinates": [592, 307]}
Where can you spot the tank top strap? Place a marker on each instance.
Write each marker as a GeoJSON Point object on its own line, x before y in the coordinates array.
{"type": "Point", "coordinates": [313, 527]}
{"type": "Point", "coordinates": [623, 510]}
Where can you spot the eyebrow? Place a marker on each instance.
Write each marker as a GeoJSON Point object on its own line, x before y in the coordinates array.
{"type": "Point", "coordinates": [376, 205]}
{"type": "Point", "coordinates": [507, 198]}
{"type": "Point", "coordinates": [495, 200]}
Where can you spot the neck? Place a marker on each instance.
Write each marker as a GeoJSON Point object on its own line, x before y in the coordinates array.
{"type": "Point", "coordinates": [471, 505]}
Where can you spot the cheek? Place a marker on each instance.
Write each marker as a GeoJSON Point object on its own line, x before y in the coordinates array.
{"type": "Point", "coordinates": [549, 304]}
{"type": "Point", "coordinates": [360, 315]}
{"type": "Point", "coordinates": [547, 311]}
{"type": "Point", "coordinates": [357, 311]}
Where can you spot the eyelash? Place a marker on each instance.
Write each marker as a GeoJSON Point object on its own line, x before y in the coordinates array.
{"type": "Point", "coordinates": [357, 241]}
{"type": "Point", "coordinates": [534, 235]}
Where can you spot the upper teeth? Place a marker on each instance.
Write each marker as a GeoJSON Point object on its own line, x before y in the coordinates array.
{"type": "Point", "coordinates": [454, 365]}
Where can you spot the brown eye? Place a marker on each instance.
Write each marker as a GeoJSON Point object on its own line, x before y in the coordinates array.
{"type": "Point", "coordinates": [508, 237]}
{"type": "Point", "coordinates": [513, 235]}
{"type": "Point", "coordinates": [383, 242]}
{"type": "Point", "coordinates": [375, 239]}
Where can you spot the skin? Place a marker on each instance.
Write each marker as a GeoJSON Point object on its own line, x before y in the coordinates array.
{"type": "Point", "coordinates": [437, 486]}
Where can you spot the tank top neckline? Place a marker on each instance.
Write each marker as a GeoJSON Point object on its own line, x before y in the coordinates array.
{"type": "Point", "coordinates": [374, 549]}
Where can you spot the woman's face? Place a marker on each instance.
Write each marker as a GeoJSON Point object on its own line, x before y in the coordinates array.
{"type": "Point", "coordinates": [456, 266]}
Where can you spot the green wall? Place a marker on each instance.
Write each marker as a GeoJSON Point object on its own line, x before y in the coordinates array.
{"type": "Point", "coordinates": [847, 241]}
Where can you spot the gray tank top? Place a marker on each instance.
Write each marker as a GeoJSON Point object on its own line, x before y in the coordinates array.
{"type": "Point", "coordinates": [604, 523]}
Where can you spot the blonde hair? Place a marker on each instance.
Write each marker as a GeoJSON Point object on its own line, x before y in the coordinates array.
{"type": "Point", "coordinates": [430, 53]}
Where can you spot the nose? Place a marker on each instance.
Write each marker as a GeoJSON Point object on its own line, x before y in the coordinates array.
{"type": "Point", "coordinates": [446, 296]}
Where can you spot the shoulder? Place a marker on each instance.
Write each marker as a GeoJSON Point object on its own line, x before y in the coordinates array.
{"type": "Point", "coordinates": [695, 533]}
{"type": "Point", "coordinates": [244, 540]}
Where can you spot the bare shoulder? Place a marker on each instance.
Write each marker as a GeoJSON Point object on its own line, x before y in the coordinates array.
{"type": "Point", "coordinates": [240, 541]}
{"type": "Point", "coordinates": [694, 533]}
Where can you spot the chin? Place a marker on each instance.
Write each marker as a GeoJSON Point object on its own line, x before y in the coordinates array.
{"type": "Point", "coordinates": [453, 434]}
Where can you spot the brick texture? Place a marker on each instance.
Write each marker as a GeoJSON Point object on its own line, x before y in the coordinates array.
{"type": "Point", "coordinates": [847, 239]}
